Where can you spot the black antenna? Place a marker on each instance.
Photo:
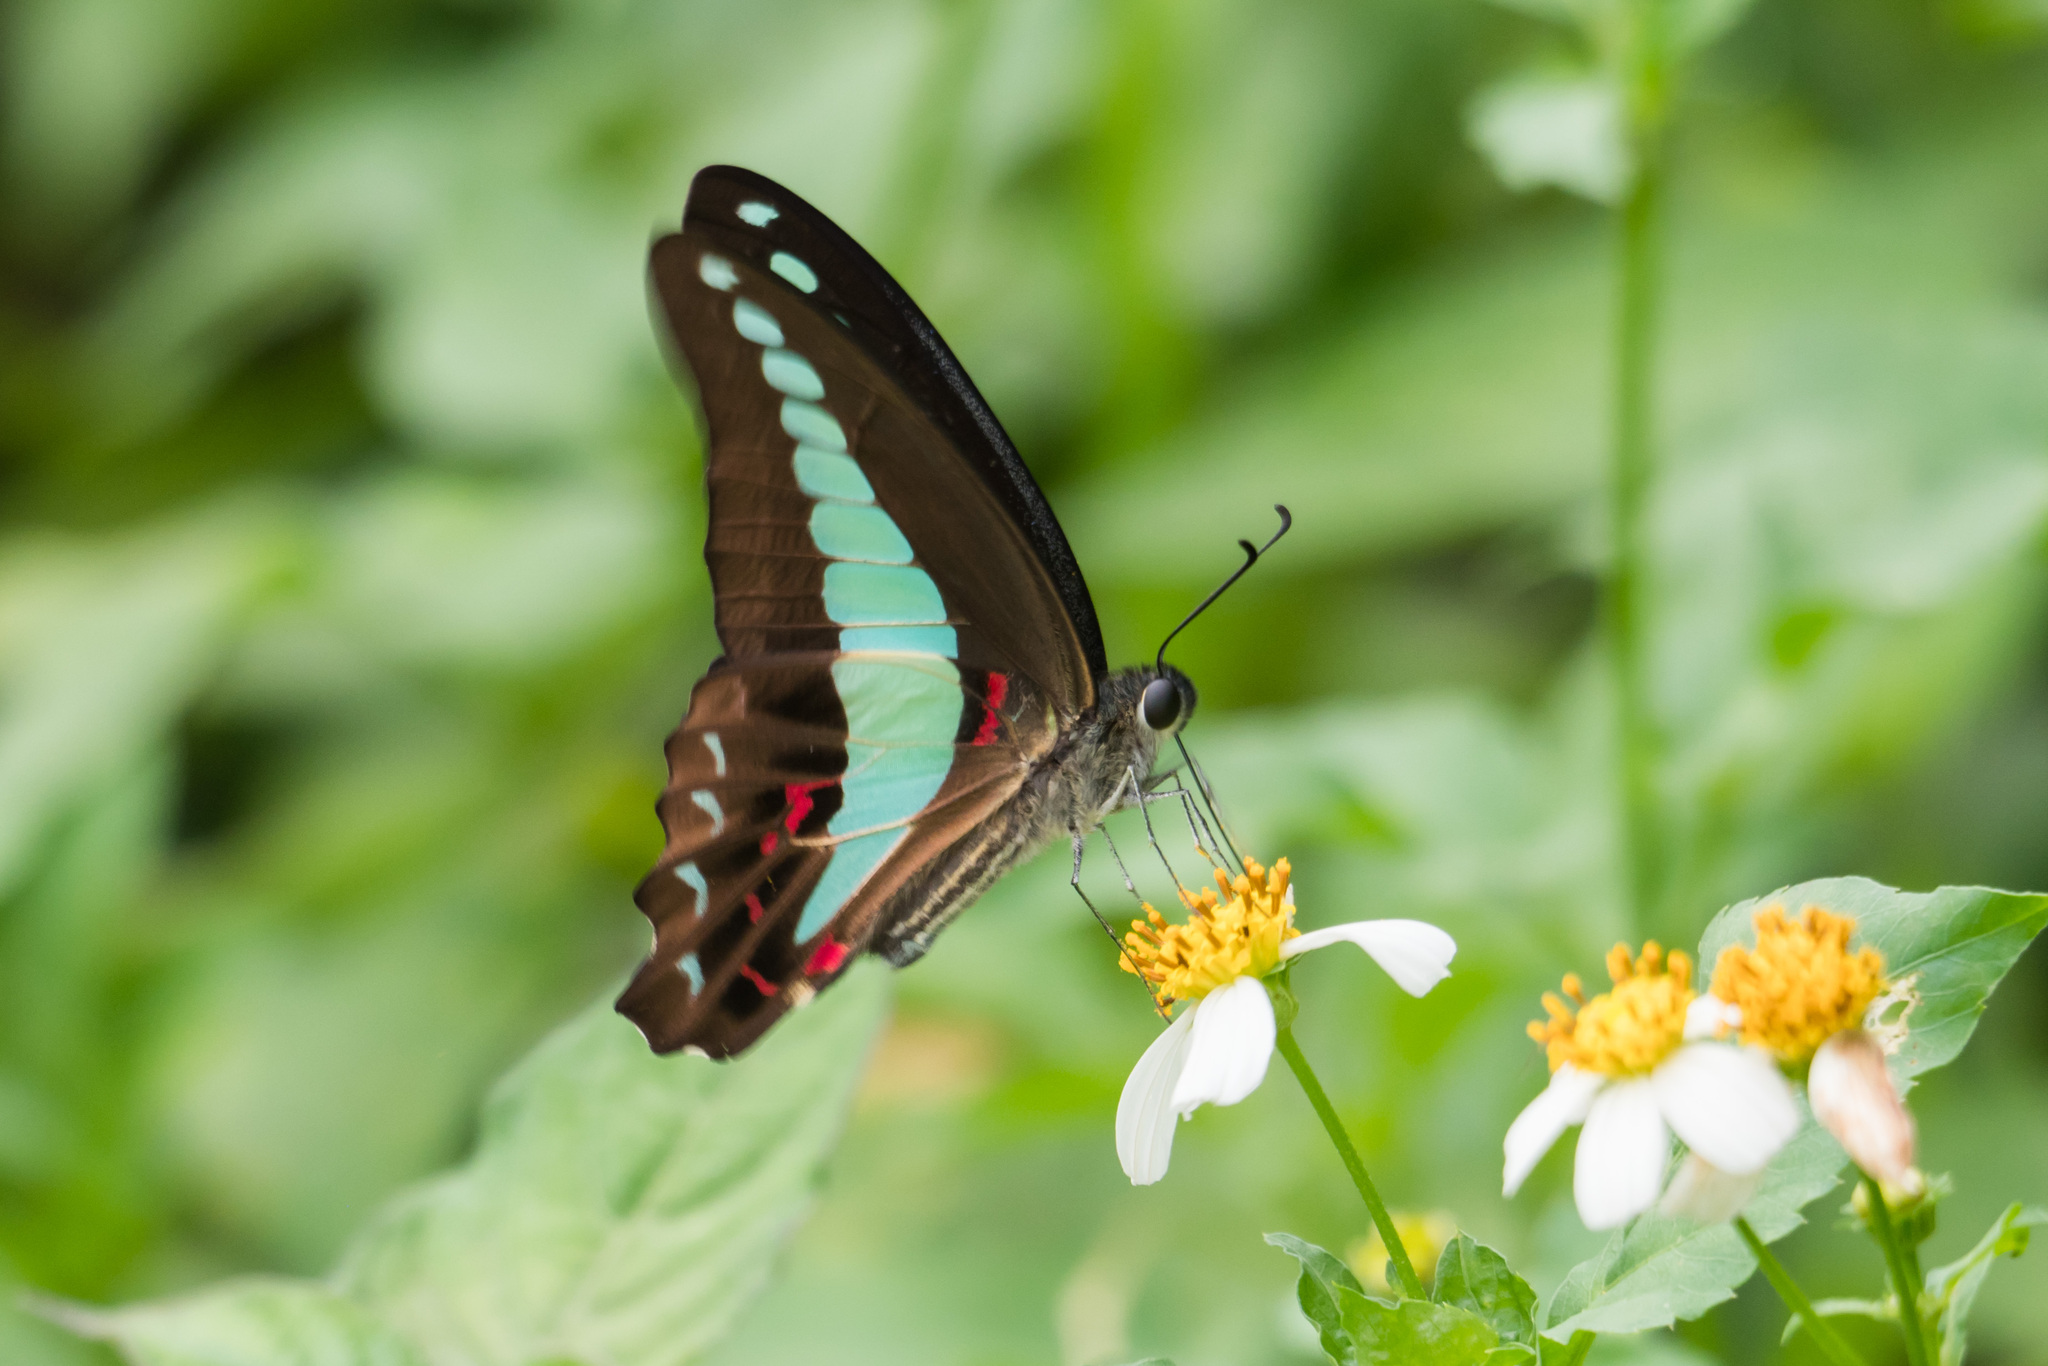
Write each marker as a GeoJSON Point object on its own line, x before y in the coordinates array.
{"type": "Point", "coordinates": [1251, 557]}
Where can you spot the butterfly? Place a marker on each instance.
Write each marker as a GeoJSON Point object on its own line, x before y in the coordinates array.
{"type": "Point", "coordinates": [913, 695]}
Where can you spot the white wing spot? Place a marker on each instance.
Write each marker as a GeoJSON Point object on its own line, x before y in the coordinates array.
{"type": "Point", "coordinates": [717, 272]}
{"type": "Point", "coordinates": [717, 748]}
{"type": "Point", "coordinates": [758, 214]}
{"type": "Point", "coordinates": [709, 803]}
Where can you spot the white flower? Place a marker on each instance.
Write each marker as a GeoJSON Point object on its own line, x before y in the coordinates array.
{"type": "Point", "coordinates": [1217, 1049]}
{"type": "Point", "coordinates": [1634, 1066]}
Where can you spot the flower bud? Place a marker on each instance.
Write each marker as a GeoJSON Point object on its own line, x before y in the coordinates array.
{"type": "Point", "coordinates": [1853, 1098]}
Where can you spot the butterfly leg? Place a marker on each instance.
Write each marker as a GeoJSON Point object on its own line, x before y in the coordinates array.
{"type": "Point", "coordinates": [1080, 844]}
{"type": "Point", "coordinates": [1198, 825]}
{"type": "Point", "coordinates": [1145, 800]}
{"type": "Point", "coordinates": [1116, 802]}
{"type": "Point", "coordinates": [1208, 796]}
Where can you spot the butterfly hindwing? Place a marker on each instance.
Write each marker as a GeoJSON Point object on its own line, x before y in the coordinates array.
{"type": "Point", "coordinates": [904, 627]}
{"type": "Point", "coordinates": [788, 834]}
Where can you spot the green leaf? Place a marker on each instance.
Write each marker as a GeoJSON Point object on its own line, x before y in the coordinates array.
{"type": "Point", "coordinates": [255, 1322]}
{"type": "Point", "coordinates": [1661, 1269]}
{"type": "Point", "coordinates": [1357, 1328]}
{"type": "Point", "coordinates": [621, 1206]}
{"type": "Point", "coordinates": [1953, 1288]}
{"type": "Point", "coordinates": [1474, 1277]}
{"type": "Point", "coordinates": [1413, 1333]}
{"type": "Point", "coordinates": [1953, 945]}
{"type": "Point", "coordinates": [1323, 1277]}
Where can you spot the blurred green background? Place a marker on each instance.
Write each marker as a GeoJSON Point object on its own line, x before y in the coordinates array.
{"type": "Point", "coordinates": [349, 581]}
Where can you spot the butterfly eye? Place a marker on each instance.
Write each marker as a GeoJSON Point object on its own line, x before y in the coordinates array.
{"type": "Point", "coordinates": [1161, 704]}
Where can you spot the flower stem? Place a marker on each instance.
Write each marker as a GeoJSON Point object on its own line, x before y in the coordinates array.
{"type": "Point", "coordinates": [1823, 1333]}
{"type": "Point", "coordinates": [1901, 1262]}
{"type": "Point", "coordinates": [1411, 1284]}
{"type": "Point", "coordinates": [1634, 451]}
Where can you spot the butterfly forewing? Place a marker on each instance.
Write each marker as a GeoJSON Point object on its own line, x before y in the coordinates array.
{"type": "Point", "coordinates": [898, 611]}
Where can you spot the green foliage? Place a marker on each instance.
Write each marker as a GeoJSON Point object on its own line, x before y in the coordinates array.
{"type": "Point", "coordinates": [1478, 1312]}
{"type": "Point", "coordinates": [253, 1322]}
{"type": "Point", "coordinates": [1952, 1289]}
{"type": "Point", "coordinates": [619, 1207]}
{"type": "Point", "coordinates": [1662, 1269]}
{"type": "Point", "coordinates": [1475, 1278]}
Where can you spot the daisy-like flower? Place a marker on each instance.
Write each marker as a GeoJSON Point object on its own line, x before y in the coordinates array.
{"type": "Point", "coordinates": [1217, 1048]}
{"type": "Point", "coordinates": [1804, 996]}
{"type": "Point", "coordinates": [1635, 1065]}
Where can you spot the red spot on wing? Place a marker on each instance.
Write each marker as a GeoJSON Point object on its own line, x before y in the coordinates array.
{"type": "Point", "coordinates": [762, 984]}
{"type": "Point", "coordinates": [826, 958]}
{"type": "Point", "coordinates": [798, 795]}
{"type": "Point", "coordinates": [768, 842]}
{"type": "Point", "coordinates": [754, 908]}
{"type": "Point", "coordinates": [991, 724]}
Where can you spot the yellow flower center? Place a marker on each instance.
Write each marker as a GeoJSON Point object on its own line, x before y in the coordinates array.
{"type": "Point", "coordinates": [1223, 939]}
{"type": "Point", "coordinates": [1800, 985]}
{"type": "Point", "coordinates": [1624, 1032]}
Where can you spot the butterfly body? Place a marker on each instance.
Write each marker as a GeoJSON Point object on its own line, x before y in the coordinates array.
{"type": "Point", "coordinates": [1100, 763]}
{"type": "Point", "coordinates": [913, 695]}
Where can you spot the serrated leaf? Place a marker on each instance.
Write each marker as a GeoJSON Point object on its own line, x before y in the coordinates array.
{"type": "Point", "coordinates": [621, 1207]}
{"type": "Point", "coordinates": [1411, 1333]}
{"type": "Point", "coordinates": [1357, 1328]}
{"type": "Point", "coordinates": [1473, 1277]}
{"type": "Point", "coordinates": [1323, 1276]}
{"type": "Point", "coordinates": [254, 1322]}
{"type": "Point", "coordinates": [1955, 944]}
{"type": "Point", "coordinates": [1953, 1288]}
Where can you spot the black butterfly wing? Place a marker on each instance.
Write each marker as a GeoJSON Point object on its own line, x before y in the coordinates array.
{"type": "Point", "coordinates": [905, 629]}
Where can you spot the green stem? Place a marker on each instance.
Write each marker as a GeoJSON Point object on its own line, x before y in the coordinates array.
{"type": "Point", "coordinates": [1901, 1262]}
{"type": "Point", "coordinates": [1634, 451]}
{"type": "Point", "coordinates": [1411, 1284]}
{"type": "Point", "coordinates": [1822, 1332]}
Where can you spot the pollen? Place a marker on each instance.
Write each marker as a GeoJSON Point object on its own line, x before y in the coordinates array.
{"type": "Point", "coordinates": [1801, 984]}
{"type": "Point", "coordinates": [1626, 1031]}
{"type": "Point", "coordinates": [1235, 934]}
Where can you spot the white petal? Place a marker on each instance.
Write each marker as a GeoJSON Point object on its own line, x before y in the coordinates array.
{"type": "Point", "coordinates": [1710, 1017]}
{"type": "Point", "coordinates": [1728, 1104]}
{"type": "Point", "coordinates": [1703, 1192]}
{"type": "Point", "coordinates": [1543, 1120]}
{"type": "Point", "coordinates": [1231, 1045]}
{"type": "Point", "coordinates": [1622, 1152]}
{"type": "Point", "coordinates": [1417, 955]}
{"type": "Point", "coordinates": [1145, 1116]}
